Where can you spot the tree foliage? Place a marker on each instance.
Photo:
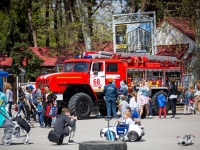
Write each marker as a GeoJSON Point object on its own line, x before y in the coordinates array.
{"type": "Point", "coordinates": [18, 39]}
{"type": "Point", "coordinates": [23, 57]}
{"type": "Point", "coordinates": [57, 23]}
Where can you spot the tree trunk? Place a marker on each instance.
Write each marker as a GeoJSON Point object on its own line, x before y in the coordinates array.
{"type": "Point", "coordinates": [85, 26]}
{"type": "Point", "coordinates": [56, 21]}
{"type": "Point", "coordinates": [29, 4]}
{"type": "Point", "coordinates": [143, 5]}
{"type": "Point", "coordinates": [67, 5]}
{"type": "Point", "coordinates": [90, 13]}
{"type": "Point", "coordinates": [60, 13]}
{"type": "Point", "coordinates": [197, 41]}
{"type": "Point", "coordinates": [131, 6]}
{"type": "Point", "coordinates": [194, 65]}
{"type": "Point", "coordinates": [47, 23]}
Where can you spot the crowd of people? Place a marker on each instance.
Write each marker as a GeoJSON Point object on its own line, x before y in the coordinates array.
{"type": "Point", "coordinates": [191, 99]}
{"type": "Point", "coordinates": [33, 103]}
{"type": "Point", "coordinates": [138, 99]}
{"type": "Point", "coordinates": [134, 103]}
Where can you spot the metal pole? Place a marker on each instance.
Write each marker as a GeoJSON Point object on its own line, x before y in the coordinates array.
{"type": "Point", "coordinates": [114, 34]}
{"type": "Point", "coordinates": [17, 83]}
{"type": "Point", "coordinates": [155, 39]}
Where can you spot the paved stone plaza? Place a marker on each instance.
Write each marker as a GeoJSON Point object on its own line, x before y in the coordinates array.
{"type": "Point", "coordinates": [160, 134]}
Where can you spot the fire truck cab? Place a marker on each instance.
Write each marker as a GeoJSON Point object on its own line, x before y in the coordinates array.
{"type": "Point", "coordinates": [79, 86]}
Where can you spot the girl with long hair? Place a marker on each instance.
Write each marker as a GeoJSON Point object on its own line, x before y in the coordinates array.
{"type": "Point", "coordinates": [9, 95]}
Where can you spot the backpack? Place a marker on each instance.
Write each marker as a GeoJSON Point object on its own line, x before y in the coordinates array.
{"type": "Point", "coordinates": [53, 111]}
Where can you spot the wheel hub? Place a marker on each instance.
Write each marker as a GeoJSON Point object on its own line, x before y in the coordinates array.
{"type": "Point", "coordinates": [6, 140]}
{"type": "Point", "coordinates": [83, 107]}
{"type": "Point", "coordinates": [132, 137]}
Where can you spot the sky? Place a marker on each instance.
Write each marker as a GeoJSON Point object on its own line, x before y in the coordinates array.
{"type": "Point", "coordinates": [104, 14]}
{"type": "Point", "coordinates": [117, 6]}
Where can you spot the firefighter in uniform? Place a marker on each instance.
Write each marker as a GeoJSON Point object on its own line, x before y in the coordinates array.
{"type": "Point", "coordinates": [111, 95]}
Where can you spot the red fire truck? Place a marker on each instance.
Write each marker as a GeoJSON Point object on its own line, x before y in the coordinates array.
{"type": "Point", "coordinates": [82, 81]}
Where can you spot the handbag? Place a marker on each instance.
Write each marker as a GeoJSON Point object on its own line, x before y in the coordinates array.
{"type": "Point", "coordinates": [53, 111]}
{"type": "Point", "coordinates": [55, 137]}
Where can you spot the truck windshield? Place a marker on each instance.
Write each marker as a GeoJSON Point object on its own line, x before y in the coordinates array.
{"type": "Point", "coordinates": [76, 66]}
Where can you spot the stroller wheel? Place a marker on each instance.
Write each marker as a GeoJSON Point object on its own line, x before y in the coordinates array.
{"type": "Point", "coordinates": [6, 140]}
{"type": "Point", "coordinates": [26, 141]}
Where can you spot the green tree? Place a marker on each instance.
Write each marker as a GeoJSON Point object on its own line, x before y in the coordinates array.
{"type": "Point", "coordinates": [18, 40]}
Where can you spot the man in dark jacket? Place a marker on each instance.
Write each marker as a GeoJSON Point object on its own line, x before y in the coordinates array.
{"type": "Point", "coordinates": [111, 94]}
{"type": "Point", "coordinates": [172, 96]}
{"type": "Point", "coordinates": [63, 121]}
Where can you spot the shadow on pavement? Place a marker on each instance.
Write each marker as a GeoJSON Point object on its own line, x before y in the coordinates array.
{"type": "Point", "coordinates": [13, 144]}
{"type": "Point", "coordinates": [64, 144]}
{"type": "Point", "coordinates": [141, 140]}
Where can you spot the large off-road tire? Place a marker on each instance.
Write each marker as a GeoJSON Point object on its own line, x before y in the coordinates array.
{"type": "Point", "coordinates": [154, 102]}
{"type": "Point", "coordinates": [80, 105]}
{"type": "Point", "coordinates": [104, 145]}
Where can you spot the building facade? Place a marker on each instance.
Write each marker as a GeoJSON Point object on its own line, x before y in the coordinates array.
{"type": "Point", "coordinates": [138, 40]}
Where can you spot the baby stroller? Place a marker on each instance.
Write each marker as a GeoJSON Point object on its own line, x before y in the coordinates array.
{"type": "Point", "coordinates": [13, 127]}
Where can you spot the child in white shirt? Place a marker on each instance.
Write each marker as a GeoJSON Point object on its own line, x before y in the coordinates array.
{"type": "Point", "coordinates": [134, 104]}
{"type": "Point", "coordinates": [128, 117]}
